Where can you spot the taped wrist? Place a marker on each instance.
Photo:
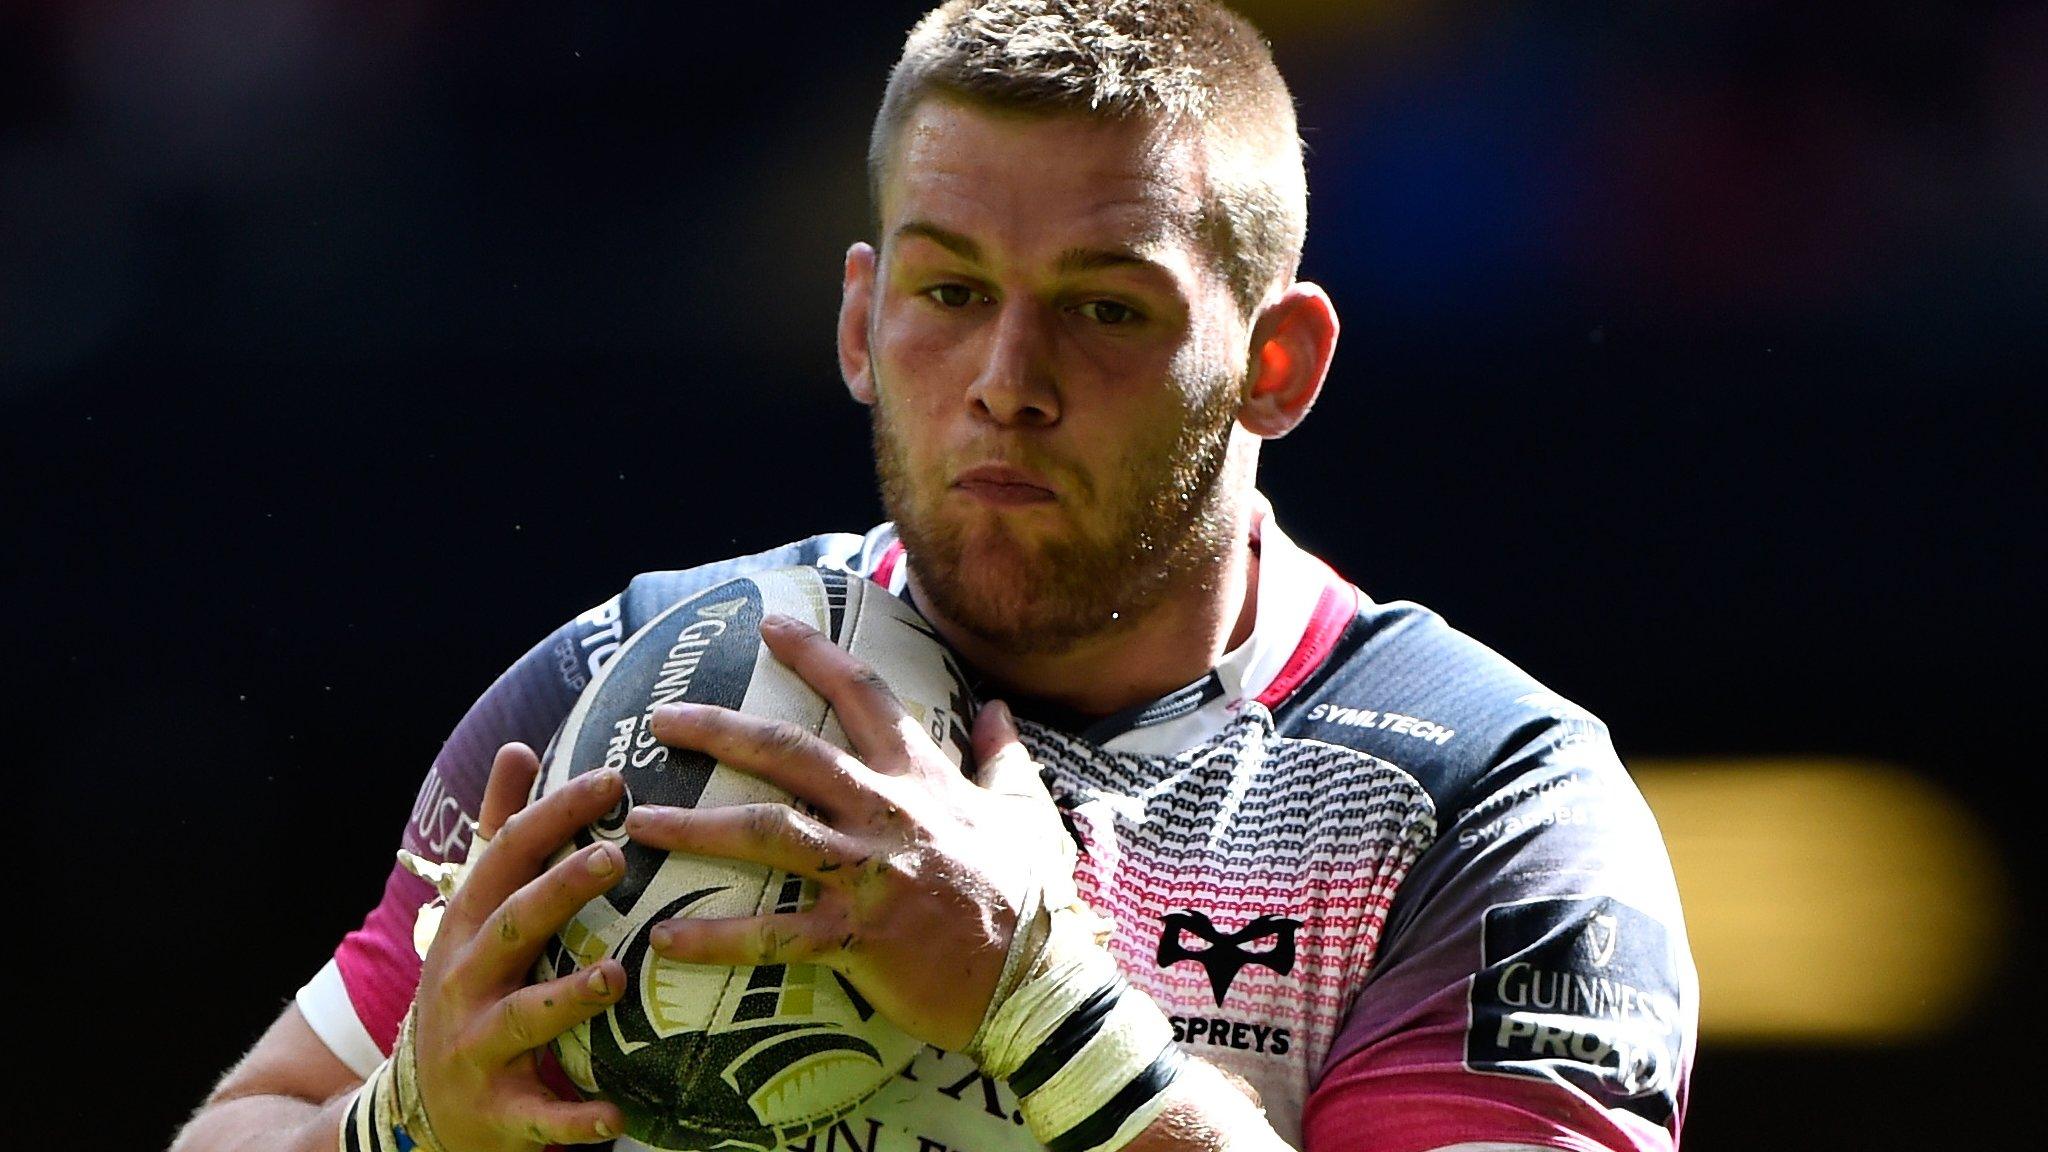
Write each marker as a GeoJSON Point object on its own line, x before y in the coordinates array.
{"type": "Point", "coordinates": [387, 1114]}
{"type": "Point", "coordinates": [1089, 1057]}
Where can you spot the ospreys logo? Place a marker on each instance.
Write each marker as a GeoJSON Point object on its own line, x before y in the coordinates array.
{"type": "Point", "coordinates": [1227, 955]}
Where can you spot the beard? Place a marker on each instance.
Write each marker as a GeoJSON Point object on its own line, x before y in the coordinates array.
{"type": "Point", "coordinates": [1167, 526]}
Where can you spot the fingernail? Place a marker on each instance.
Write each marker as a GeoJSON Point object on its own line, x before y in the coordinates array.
{"type": "Point", "coordinates": [604, 1129]}
{"type": "Point", "coordinates": [1001, 709]}
{"type": "Point", "coordinates": [782, 623]}
{"type": "Point", "coordinates": [661, 936]}
{"type": "Point", "coordinates": [600, 861]}
{"type": "Point", "coordinates": [598, 983]}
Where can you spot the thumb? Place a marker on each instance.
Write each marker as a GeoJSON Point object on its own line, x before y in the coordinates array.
{"type": "Point", "coordinates": [1002, 764]}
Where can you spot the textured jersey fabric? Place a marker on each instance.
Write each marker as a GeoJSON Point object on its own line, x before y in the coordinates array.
{"type": "Point", "coordinates": [1366, 864]}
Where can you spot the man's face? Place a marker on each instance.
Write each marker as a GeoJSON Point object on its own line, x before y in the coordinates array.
{"type": "Point", "coordinates": [1056, 367]}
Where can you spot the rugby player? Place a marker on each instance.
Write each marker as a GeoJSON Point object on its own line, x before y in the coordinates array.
{"type": "Point", "coordinates": [1368, 885]}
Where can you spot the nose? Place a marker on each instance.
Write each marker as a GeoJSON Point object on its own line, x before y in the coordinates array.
{"type": "Point", "coordinates": [1016, 385]}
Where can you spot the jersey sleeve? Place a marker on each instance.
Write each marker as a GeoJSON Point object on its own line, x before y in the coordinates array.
{"type": "Point", "coordinates": [1535, 985]}
{"type": "Point", "coordinates": [357, 1001]}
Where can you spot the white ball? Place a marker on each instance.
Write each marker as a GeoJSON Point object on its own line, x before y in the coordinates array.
{"type": "Point", "coordinates": [696, 1056]}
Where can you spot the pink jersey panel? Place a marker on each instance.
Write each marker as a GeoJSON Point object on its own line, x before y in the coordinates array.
{"type": "Point", "coordinates": [377, 961]}
{"type": "Point", "coordinates": [1415, 1102]}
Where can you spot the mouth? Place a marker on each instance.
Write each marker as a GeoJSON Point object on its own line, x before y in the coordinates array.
{"type": "Point", "coordinates": [1005, 486]}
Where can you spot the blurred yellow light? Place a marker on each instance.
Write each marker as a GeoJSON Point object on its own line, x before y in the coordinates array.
{"type": "Point", "coordinates": [1828, 900]}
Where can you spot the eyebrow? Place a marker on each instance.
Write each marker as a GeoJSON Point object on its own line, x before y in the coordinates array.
{"type": "Point", "coordinates": [1071, 260]}
{"type": "Point", "coordinates": [959, 245]}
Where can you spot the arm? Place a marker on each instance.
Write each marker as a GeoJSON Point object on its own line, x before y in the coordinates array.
{"type": "Point", "coordinates": [477, 1025]}
{"type": "Point", "coordinates": [299, 1077]}
{"type": "Point", "coordinates": [286, 1095]}
{"type": "Point", "coordinates": [292, 1086]}
{"type": "Point", "coordinates": [1534, 984]}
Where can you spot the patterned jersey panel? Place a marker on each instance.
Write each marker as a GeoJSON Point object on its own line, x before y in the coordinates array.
{"type": "Point", "coordinates": [1249, 880]}
{"type": "Point", "coordinates": [1534, 982]}
{"type": "Point", "coordinates": [377, 964]}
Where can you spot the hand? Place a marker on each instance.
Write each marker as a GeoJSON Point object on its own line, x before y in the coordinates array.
{"type": "Point", "coordinates": [921, 872]}
{"type": "Point", "coordinates": [478, 1024]}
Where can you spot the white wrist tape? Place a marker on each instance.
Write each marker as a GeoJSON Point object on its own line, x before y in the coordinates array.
{"type": "Point", "coordinates": [371, 1122]}
{"type": "Point", "coordinates": [387, 1114]}
{"type": "Point", "coordinates": [1089, 1057]}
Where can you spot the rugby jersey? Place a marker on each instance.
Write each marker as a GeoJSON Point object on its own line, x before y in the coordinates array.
{"type": "Point", "coordinates": [1366, 863]}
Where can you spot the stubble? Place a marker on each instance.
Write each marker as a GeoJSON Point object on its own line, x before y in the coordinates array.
{"type": "Point", "coordinates": [1169, 530]}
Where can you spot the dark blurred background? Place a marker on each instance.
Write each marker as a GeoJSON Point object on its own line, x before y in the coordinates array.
{"type": "Point", "coordinates": [1691, 357]}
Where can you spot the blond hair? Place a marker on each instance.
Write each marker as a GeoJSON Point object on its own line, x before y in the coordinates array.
{"type": "Point", "coordinates": [1184, 64]}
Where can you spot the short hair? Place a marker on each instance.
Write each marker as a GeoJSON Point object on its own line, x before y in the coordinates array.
{"type": "Point", "coordinates": [1182, 63]}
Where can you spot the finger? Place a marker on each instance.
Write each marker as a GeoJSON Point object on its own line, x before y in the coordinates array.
{"type": "Point", "coordinates": [776, 835]}
{"type": "Point", "coordinates": [784, 754]}
{"type": "Point", "coordinates": [513, 771]}
{"type": "Point", "coordinates": [543, 1119]}
{"type": "Point", "coordinates": [1002, 764]}
{"type": "Point", "coordinates": [530, 1017]}
{"type": "Point", "coordinates": [508, 944]}
{"type": "Point", "coordinates": [528, 840]}
{"type": "Point", "coordinates": [877, 724]}
{"type": "Point", "coordinates": [782, 938]}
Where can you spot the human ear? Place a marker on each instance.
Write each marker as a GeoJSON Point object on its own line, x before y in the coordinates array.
{"type": "Point", "coordinates": [1292, 342]}
{"type": "Point", "coordinates": [856, 310]}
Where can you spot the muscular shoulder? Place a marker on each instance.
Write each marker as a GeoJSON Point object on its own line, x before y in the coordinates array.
{"type": "Point", "coordinates": [1407, 687]}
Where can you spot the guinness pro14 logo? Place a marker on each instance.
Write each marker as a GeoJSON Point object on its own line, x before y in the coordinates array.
{"type": "Point", "coordinates": [1577, 988]}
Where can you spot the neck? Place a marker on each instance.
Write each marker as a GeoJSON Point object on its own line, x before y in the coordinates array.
{"type": "Point", "coordinates": [1137, 661]}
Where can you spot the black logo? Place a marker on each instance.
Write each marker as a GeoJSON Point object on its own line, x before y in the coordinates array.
{"type": "Point", "coordinates": [1227, 955]}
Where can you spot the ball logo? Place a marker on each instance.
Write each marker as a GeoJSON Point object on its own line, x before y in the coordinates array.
{"type": "Point", "coordinates": [724, 609]}
{"type": "Point", "coordinates": [703, 1056]}
{"type": "Point", "coordinates": [1227, 955]}
{"type": "Point", "coordinates": [704, 654]}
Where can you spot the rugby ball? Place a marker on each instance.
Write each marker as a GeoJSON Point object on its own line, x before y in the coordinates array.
{"type": "Point", "coordinates": [702, 1057]}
